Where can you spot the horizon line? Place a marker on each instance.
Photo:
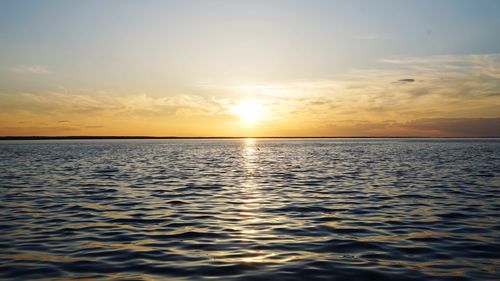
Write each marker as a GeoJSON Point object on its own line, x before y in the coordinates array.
{"type": "Point", "coordinates": [239, 137]}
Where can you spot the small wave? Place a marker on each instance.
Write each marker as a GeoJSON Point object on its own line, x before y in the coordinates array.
{"type": "Point", "coordinates": [293, 210]}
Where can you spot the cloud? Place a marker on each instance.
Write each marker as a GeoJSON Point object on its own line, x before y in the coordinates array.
{"type": "Point", "coordinates": [447, 87]}
{"type": "Point", "coordinates": [423, 96]}
{"type": "Point", "coordinates": [492, 94]}
{"type": "Point", "coordinates": [30, 69]}
{"type": "Point", "coordinates": [464, 127]}
{"type": "Point", "coordinates": [480, 65]}
{"type": "Point", "coordinates": [428, 127]}
{"type": "Point", "coordinates": [73, 103]}
{"type": "Point", "coordinates": [404, 81]}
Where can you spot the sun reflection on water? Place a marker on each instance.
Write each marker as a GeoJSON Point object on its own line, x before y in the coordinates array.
{"type": "Point", "coordinates": [250, 205]}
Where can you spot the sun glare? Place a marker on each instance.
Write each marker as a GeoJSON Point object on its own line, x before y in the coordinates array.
{"type": "Point", "coordinates": [249, 111]}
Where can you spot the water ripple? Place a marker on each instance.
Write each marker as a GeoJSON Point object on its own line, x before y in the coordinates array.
{"type": "Point", "coordinates": [250, 209]}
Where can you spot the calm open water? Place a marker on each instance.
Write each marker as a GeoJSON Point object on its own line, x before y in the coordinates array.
{"type": "Point", "coordinates": [385, 209]}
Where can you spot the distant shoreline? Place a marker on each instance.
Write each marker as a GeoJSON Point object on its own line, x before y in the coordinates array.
{"type": "Point", "coordinates": [173, 137]}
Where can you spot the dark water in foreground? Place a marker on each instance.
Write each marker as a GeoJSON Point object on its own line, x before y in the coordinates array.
{"type": "Point", "coordinates": [264, 209]}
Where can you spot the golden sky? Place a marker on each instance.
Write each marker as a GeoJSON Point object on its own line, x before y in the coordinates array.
{"type": "Point", "coordinates": [250, 68]}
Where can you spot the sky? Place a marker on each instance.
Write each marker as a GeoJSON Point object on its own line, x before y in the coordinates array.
{"type": "Point", "coordinates": [250, 68]}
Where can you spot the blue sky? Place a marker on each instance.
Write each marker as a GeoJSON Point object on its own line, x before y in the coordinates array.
{"type": "Point", "coordinates": [204, 39]}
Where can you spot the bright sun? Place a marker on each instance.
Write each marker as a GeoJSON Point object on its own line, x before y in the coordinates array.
{"type": "Point", "coordinates": [249, 111]}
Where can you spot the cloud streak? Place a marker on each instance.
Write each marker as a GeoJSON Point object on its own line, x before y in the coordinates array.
{"type": "Point", "coordinates": [462, 127]}
{"type": "Point", "coordinates": [428, 96]}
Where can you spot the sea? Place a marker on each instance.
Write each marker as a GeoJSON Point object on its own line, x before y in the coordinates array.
{"type": "Point", "coordinates": [250, 209]}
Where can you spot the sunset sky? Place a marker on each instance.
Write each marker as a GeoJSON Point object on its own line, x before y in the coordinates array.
{"type": "Point", "coordinates": [250, 68]}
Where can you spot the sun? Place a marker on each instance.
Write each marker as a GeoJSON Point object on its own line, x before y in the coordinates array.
{"type": "Point", "coordinates": [249, 111]}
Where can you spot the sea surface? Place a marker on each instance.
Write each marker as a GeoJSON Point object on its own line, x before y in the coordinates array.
{"type": "Point", "coordinates": [246, 209]}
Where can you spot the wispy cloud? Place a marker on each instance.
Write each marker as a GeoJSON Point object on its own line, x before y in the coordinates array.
{"type": "Point", "coordinates": [432, 96]}
{"type": "Point", "coordinates": [439, 91]}
{"type": "Point", "coordinates": [478, 127]}
{"type": "Point", "coordinates": [84, 103]}
{"type": "Point", "coordinates": [31, 69]}
{"type": "Point", "coordinates": [404, 81]}
{"type": "Point", "coordinates": [430, 127]}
